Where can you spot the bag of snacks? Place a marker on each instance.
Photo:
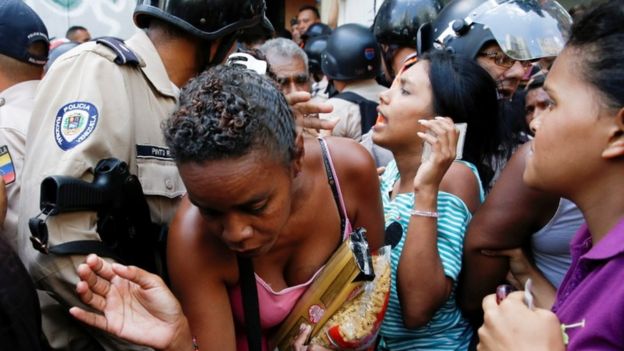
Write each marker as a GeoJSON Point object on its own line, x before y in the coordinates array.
{"type": "Point", "coordinates": [356, 324]}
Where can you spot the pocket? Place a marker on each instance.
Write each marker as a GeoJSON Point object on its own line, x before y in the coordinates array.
{"type": "Point", "coordinates": [160, 178]}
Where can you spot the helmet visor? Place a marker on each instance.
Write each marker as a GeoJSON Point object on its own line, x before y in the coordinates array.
{"type": "Point", "coordinates": [526, 29]}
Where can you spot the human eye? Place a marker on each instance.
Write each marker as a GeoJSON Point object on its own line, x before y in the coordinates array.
{"type": "Point", "coordinates": [301, 79]}
{"type": "Point", "coordinates": [550, 104]}
{"type": "Point", "coordinates": [209, 212]}
{"type": "Point", "coordinates": [256, 208]}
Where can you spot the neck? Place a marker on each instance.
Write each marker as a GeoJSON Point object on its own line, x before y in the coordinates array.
{"type": "Point", "coordinates": [407, 162]}
{"type": "Point", "coordinates": [601, 203]}
{"type": "Point", "coordinates": [6, 82]}
{"type": "Point", "coordinates": [179, 56]}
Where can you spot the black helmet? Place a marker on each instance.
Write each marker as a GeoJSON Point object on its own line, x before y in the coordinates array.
{"type": "Point", "coordinates": [524, 29]}
{"type": "Point", "coordinates": [314, 47]}
{"type": "Point", "coordinates": [352, 53]}
{"type": "Point", "coordinates": [316, 29]}
{"type": "Point", "coordinates": [206, 19]}
{"type": "Point", "coordinates": [397, 21]}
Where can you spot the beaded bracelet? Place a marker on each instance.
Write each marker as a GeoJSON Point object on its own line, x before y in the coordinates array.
{"type": "Point", "coordinates": [424, 213]}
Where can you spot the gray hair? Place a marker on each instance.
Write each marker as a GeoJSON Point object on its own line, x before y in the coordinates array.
{"type": "Point", "coordinates": [285, 48]}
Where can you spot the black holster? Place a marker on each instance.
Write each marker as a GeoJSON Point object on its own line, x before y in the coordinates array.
{"type": "Point", "coordinates": [123, 220]}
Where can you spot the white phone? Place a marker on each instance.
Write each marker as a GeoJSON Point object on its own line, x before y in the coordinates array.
{"type": "Point", "coordinates": [459, 152]}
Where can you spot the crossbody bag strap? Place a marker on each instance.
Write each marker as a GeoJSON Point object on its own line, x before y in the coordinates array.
{"type": "Point", "coordinates": [249, 293]}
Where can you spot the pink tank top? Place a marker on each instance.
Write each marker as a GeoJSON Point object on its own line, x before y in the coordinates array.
{"type": "Point", "coordinates": [275, 306]}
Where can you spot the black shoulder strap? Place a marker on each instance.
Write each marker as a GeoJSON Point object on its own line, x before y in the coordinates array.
{"type": "Point", "coordinates": [125, 56]}
{"type": "Point", "coordinates": [368, 108]}
{"type": "Point", "coordinates": [332, 183]}
{"type": "Point", "coordinates": [249, 292]}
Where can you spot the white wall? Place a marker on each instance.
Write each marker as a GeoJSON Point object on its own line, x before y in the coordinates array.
{"type": "Point", "coordinates": [356, 11]}
{"type": "Point", "coordinates": [100, 17]}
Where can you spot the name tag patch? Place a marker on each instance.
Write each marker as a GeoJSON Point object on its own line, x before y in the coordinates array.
{"type": "Point", "coordinates": [7, 170]}
{"type": "Point", "coordinates": [153, 152]}
{"type": "Point", "coordinates": [74, 123]}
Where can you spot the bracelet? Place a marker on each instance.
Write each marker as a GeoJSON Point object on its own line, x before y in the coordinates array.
{"type": "Point", "coordinates": [424, 213]}
{"type": "Point", "coordinates": [195, 346]}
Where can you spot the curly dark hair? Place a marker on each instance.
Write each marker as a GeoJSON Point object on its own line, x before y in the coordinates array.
{"type": "Point", "coordinates": [228, 112]}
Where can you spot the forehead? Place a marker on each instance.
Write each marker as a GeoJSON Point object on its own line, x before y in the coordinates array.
{"type": "Point", "coordinates": [491, 46]}
{"type": "Point", "coordinates": [286, 66]}
{"type": "Point", "coordinates": [417, 75]}
{"type": "Point", "coordinates": [306, 14]}
{"type": "Point", "coordinates": [221, 183]}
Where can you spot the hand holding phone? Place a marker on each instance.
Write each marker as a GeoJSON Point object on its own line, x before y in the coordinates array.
{"type": "Point", "coordinates": [459, 151]}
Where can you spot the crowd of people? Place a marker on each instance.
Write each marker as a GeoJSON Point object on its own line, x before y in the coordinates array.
{"type": "Point", "coordinates": [170, 190]}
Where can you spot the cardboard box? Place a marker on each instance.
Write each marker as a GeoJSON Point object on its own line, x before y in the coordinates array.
{"type": "Point", "coordinates": [341, 280]}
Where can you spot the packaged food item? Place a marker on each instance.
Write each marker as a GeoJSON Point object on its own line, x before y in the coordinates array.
{"type": "Point", "coordinates": [356, 324]}
{"type": "Point", "coordinates": [342, 279]}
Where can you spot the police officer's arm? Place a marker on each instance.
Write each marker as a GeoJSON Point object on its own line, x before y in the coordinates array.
{"type": "Point", "coordinates": [511, 213]}
{"type": "Point", "coordinates": [201, 267]}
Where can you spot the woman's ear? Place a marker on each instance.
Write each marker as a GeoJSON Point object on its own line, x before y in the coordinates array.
{"type": "Point", "coordinates": [299, 154]}
{"type": "Point", "coordinates": [615, 147]}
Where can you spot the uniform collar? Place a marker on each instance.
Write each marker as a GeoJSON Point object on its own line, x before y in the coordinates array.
{"type": "Point", "coordinates": [20, 91]}
{"type": "Point", "coordinates": [611, 244]}
{"type": "Point", "coordinates": [151, 64]}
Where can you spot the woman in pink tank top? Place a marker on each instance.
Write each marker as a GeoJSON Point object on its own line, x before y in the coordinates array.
{"type": "Point", "coordinates": [256, 188]}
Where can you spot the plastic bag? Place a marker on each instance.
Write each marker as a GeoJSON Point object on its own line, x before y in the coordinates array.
{"type": "Point", "coordinates": [356, 324]}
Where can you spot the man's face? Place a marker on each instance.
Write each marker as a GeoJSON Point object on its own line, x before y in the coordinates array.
{"type": "Point", "coordinates": [506, 71]}
{"type": "Point", "coordinates": [305, 19]}
{"type": "Point", "coordinates": [290, 72]}
{"type": "Point", "coordinates": [536, 101]}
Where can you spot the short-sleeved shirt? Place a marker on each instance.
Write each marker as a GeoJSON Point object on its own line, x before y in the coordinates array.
{"type": "Point", "coordinates": [88, 108]}
{"type": "Point", "coordinates": [16, 105]}
{"type": "Point", "coordinates": [448, 329]}
{"type": "Point", "coordinates": [592, 292]}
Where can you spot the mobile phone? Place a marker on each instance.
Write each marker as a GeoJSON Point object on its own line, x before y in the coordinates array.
{"type": "Point", "coordinates": [459, 151]}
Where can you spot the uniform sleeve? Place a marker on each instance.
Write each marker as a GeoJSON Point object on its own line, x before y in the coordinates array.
{"type": "Point", "coordinates": [347, 114]}
{"type": "Point", "coordinates": [452, 224]}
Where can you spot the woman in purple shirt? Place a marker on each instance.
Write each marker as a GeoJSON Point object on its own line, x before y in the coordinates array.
{"type": "Point", "coordinates": [578, 153]}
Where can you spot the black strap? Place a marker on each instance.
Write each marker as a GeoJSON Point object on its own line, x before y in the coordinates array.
{"type": "Point", "coordinates": [332, 185]}
{"type": "Point", "coordinates": [249, 292]}
{"type": "Point", "coordinates": [368, 109]}
{"type": "Point", "coordinates": [125, 56]}
{"type": "Point", "coordinates": [85, 247]}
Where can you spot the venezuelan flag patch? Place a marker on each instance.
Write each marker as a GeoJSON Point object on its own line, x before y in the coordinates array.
{"type": "Point", "coordinates": [6, 165]}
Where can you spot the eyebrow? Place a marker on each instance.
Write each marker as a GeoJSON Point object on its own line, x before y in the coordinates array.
{"type": "Point", "coordinates": [405, 81]}
{"type": "Point", "coordinates": [551, 93]}
{"type": "Point", "coordinates": [252, 201]}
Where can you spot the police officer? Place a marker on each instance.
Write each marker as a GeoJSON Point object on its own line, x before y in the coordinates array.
{"type": "Point", "coordinates": [108, 99]}
{"type": "Point", "coordinates": [396, 27]}
{"type": "Point", "coordinates": [502, 36]}
{"type": "Point", "coordinates": [351, 62]}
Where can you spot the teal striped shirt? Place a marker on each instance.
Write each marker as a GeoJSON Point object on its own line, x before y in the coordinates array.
{"type": "Point", "coordinates": [447, 330]}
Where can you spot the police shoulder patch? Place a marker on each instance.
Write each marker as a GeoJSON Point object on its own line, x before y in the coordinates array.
{"type": "Point", "coordinates": [74, 123]}
{"type": "Point", "coordinates": [7, 169]}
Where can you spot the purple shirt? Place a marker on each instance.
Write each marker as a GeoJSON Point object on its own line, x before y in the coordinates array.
{"type": "Point", "coordinates": [592, 292]}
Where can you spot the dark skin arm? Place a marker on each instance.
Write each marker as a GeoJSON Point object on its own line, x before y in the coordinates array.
{"type": "Point", "coordinates": [422, 292]}
{"type": "Point", "coordinates": [212, 264]}
{"type": "Point", "coordinates": [360, 187]}
{"type": "Point", "coordinates": [507, 219]}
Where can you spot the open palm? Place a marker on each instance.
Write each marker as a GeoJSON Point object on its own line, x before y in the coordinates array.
{"type": "Point", "coordinates": [130, 303]}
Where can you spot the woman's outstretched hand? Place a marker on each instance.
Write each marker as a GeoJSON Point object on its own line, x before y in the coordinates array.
{"type": "Point", "coordinates": [442, 138]}
{"type": "Point", "coordinates": [133, 304]}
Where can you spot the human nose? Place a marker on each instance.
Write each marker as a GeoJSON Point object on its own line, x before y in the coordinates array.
{"type": "Point", "coordinates": [235, 230]}
{"type": "Point", "coordinates": [536, 121]}
{"type": "Point", "coordinates": [384, 97]}
{"type": "Point", "coordinates": [517, 71]}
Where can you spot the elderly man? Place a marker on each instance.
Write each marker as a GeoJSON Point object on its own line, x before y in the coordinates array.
{"type": "Point", "coordinates": [288, 64]}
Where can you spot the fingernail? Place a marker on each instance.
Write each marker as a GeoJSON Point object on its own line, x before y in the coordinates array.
{"type": "Point", "coordinates": [422, 121]}
{"type": "Point", "coordinates": [439, 118]}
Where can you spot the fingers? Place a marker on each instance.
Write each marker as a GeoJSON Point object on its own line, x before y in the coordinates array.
{"type": "Point", "coordinates": [89, 318]}
{"type": "Point", "coordinates": [297, 96]}
{"type": "Point", "coordinates": [143, 278]}
{"type": "Point", "coordinates": [380, 170]}
{"type": "Point", "coordinates": [442, 135]}
{"type": "Point", "coordinates": [299, 342]}
{"type": "Point", "coordinates": [316, 123]}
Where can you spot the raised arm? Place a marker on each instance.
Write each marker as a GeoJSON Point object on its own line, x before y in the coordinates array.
{"type": "Point", "coordinates": [507, 219]}
{"type": "Point", "coordinates": [424, 281]}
